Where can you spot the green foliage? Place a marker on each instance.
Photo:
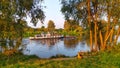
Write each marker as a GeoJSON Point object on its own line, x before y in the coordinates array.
{"type": "Point", "coordinates": [74, 9]}
{"type": "Point", "coordinates": [10, 30]}
{"type": "Point", "coordinates": [72, 28]}
{"type": "Point", "coordinates": [66, 26]}
{"type": "Point", "coordinates": [12, 17]}
{"type": "Point", "coordinates": [51, 26]}
{"type": "Point", "coordinates": [43, 28]}
{"type": "Point", "coordinates": [17, 9]}
{"type": "Point", "coordinates": [70, 25]}
{"type": "Point", "coordinates": [90, 14]}
{"type": "Point", "coordinates": [28, 31]}
{"type": "Point", "coordinates": [32, 34]}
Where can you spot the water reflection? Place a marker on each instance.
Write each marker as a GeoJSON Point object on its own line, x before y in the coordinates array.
{"type": "Point", "coordinates": [71, 43]}
{"type": "Point", "coordinates": [49, 42]}
{"type": "Point", "coordinates": [52, 47]}
{"type": "Point", "coordinates": [45, 48]}
{"type": "Point", "coordinates": [10, 47]}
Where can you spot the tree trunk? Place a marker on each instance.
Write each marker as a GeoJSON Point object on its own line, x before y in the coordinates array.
{"type": "Point", "coordinates": [107, 36]}
{"type": "Point", "coordinates": [91, 44]}
{"type": "Point", "coordinates": [116, 38]}
{"type": "Point", "coordinates": [89, 20]}
{"type": "Point", "coordinates": [95, 36]}
{"type": "Point", "coordinates": [101, 40]}
{"type": "Point", "coordinates": [111, 37]}
{"type": "Point", "coordinates": [107, 29]}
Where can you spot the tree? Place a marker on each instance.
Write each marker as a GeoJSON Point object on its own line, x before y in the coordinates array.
{"type": "Point", "coordinates": [13, 14]}
{"type": "Point", "coordinates": [71, 28]}
{"type": "Point", "coordinates": [18, 9]}
{"type": "Point", "coordinates": [51, 26]}
{"type": "Point", "coordinates": [42, 28]}
{"type": "Point", "coordinates": [91, 13]}
{"type": "Point", "coordinates": [66, 26]}
{"type": "Point", "coordinates": [70, 25]}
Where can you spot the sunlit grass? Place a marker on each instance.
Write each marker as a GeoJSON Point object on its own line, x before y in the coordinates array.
{"type": "Point", "coordinates": [103, 59]}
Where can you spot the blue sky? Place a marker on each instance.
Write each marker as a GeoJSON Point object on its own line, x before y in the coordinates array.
{"type": "Point", "coordinates": [52, 12]}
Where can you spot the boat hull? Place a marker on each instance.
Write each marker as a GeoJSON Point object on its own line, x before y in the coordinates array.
{"type": "Point", "coordinates": [40, 38]}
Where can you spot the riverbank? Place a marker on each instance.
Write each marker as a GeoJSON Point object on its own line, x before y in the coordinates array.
{"type": "Point", "coordinates": [107, 59]}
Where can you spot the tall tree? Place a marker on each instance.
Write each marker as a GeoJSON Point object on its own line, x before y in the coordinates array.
{"type": "Point", "coordinates": [90, 13]}
{"type": "Point", "coordinates": [13, 14]}
{"type": "Point", "coordinates": [51, 26]}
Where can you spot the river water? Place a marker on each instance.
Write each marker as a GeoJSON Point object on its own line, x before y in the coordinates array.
{"type": "Point", "coordinates": [52, 47]}
{"type": "Point", "coordinates": [48, 47]}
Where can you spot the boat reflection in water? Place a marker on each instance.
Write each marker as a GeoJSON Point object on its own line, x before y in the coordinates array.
{"type": "Point", "coordinates": [51, 47]}
{"type": "Point", "coordinates": [49, 42]}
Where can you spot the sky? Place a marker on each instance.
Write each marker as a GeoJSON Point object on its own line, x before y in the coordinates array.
{"type": "Point", "coordinates": [52, 12]}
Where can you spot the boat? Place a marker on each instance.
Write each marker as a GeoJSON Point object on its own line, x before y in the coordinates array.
{"type": "Point", "coordinates": [51, 37]}
{"type": "Point", "coordinates": [45, 36]}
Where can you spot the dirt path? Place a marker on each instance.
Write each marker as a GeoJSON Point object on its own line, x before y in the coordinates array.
{"type": "Point", "coordinates": [63, 58]}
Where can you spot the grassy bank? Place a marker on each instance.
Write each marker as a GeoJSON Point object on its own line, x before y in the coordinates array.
{"type": "Point", "coordinates": [107, 59]}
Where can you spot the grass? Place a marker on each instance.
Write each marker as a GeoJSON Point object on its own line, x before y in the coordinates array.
{"type": "Point", "coordinates": [103, 59]}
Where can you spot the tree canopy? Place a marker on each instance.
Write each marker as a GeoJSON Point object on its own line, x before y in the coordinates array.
{"type": "Point", "coordinates": [90, 14]}
{"type": "Point", "coordinates": [12, 18]}
{"type": "Point", "coordinates": [51, 26]}
{"type": "Point", "coordinates": [15, 10]}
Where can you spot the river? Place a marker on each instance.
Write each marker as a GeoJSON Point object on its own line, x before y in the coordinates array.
{"type": "Point", "coordinates": [48, 47]}
{"type": "Point", "coordinates": [52, 47]}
